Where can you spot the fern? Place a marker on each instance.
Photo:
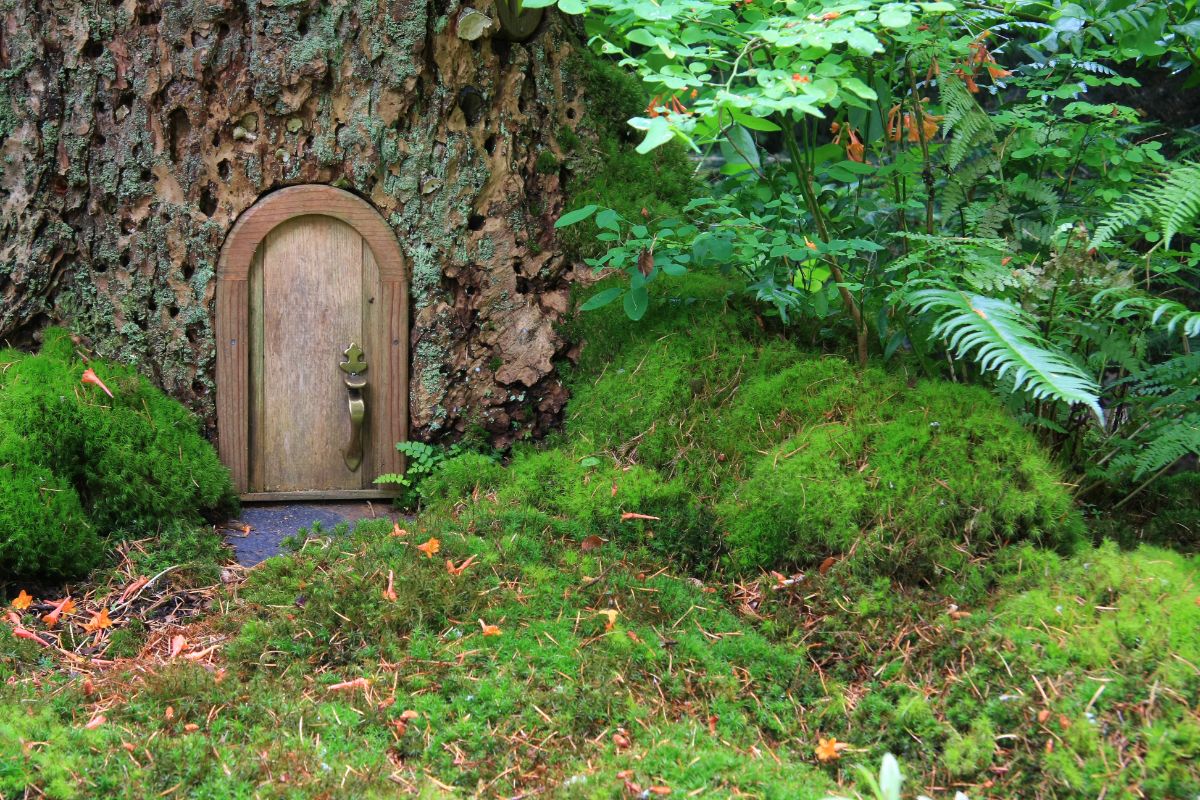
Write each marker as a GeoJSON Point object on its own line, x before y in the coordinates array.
{"type": "Point", "coordinates": [965, 122]}
{"type": "Point", "coordinates": [1164, 444]}
{"type": "Point", "coordinates": [1171, 205]}
{"type": "Point", "coordinates": [1004, 340]}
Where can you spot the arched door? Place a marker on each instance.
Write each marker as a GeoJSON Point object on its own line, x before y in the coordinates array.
{"type": "Point", "coordinates": [312, 389]}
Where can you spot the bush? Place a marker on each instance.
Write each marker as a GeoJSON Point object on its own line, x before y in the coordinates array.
{"type": "Point", "coordinates": [76, 465]}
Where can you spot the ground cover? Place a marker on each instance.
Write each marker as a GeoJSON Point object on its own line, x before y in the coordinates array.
{"type": "Point", "coordinates": [535, 631]}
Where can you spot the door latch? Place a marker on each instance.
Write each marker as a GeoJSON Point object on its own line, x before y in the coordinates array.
{"type": "Point", "coordinates": [354, 366]}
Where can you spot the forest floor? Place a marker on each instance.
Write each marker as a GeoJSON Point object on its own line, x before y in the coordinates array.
{"type": "Point", "coordinates": [537, 632]}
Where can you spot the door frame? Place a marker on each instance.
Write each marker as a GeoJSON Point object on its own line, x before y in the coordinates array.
{"type": "Point", "coordinates": [232, 324]}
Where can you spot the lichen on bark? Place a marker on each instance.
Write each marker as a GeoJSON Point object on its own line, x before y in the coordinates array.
{"type": "Point", "coordinates": [133, 134]}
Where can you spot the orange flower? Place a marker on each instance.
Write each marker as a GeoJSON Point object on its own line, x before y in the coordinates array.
{"type": "Point", "coordinates": [458, 570]}
{"type": "Point", "coordinates": [99, 622]}
{"type": "Point", "coordinates": [430, 547]}
{"type": "Point", "coordinates": [23, 600]}
{"type": "Point", "coordinates": [489, 630]}
{"type": "Point", "coordinates": [64, 606]}
{"type": "Point", "coordinates": [809, 244]}
{"type": "Point", "coordinates": [996, 71]}
{"type": "Point", "coordinates": [397, 530]}
{"type": "Point", "coordinates": [829, 749]}
{"type": "Point", "coordinates": [389, 593]}
{"type": "Point", "coordinates": [855, 150]}
{"type": "Point", "coordinates": [89, 376]}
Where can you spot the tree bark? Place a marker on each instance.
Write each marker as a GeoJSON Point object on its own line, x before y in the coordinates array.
{"type": "Point", "coordinates": [134, 133]}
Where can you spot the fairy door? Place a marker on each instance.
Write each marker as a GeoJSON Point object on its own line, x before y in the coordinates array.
{"type": "Point", "coordinates": [320, 399]}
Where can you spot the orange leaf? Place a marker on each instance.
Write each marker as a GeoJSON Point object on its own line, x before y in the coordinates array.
{"type": "Point", "coordinates": [826, 564]}
{"type": "Point", "coordinates": [23, 600]}
{"type": "Point", "coordinates": [489, 630]}
{"type": "Point", "coordinates": [95, 722]}
{"type": "Point", "coordinates": [191, 727]}
{"type": "Point", "coordinates": [99, 622]}
{"type": "Point", "coordinates": [89, 376]}
{"type": "Point", "coordinates": [389, 593]}
{"type": "Point", "coordinates": [430, 547]}
{"type": "Point", "coordinates": [628, 515]}
{"type": "Point", "coordinates": [662, 791]}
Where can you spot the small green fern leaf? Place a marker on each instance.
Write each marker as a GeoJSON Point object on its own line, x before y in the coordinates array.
{"type": "Point", "coordinates": [1005, 341]}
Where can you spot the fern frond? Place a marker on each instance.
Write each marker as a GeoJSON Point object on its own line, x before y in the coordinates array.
{"type": "Point", "coordinates": [1005, 340]}
{"type": "Point", "coordinates": [1172, 205]}
{"type": "Point", "coordinates": [1164, 445]}
{"type": "Point", "coordinates": [968, 125]}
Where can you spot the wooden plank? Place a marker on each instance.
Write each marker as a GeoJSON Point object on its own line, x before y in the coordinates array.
{"type": "Point", "coordinates": [254, 399]}
{"type": "Point", "coordinates": [312, 311]}
{"type": "Point", "coordinates": [340, 494]}
{"type": "Point", "coordinates": [395, 300]}
{"type": "Point", "coordinates": [231, 380]}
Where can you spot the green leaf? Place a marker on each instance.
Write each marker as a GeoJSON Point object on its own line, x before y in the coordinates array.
{"type": "Point", "coordinates": [607, 218]}
{"type": "Point", "coordinates": [601, 299]}
{"type": "Point", "coordinates": [636, 301]}
{"type": "Point", "coordinates": [895, 17]}
{"type": "Point", "coordinates": [537, 3]}
{"type": "Point", "coordinates": [569, 6]}
{"type": "Point", "coordinates": [671, 268]}
{"type": "Point", "coordinates": [754, 123]}
{"type": "Point", "coordinates": [578, 215]}
{"type": "Point", "coordinates": [657, 134]}
{"type": "Point", "coordinates": [859, 88]}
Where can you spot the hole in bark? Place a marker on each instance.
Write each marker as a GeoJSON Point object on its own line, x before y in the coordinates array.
{"type": "Point", "coordinates": [191, 333]}
{"type": "Point", "coordinates": [522, 281]}
{"type": "Point", "coordinates": [188, 272]}
{"type": "Point", "coordinates": [152, 304]}
{"type": "Point", "coordinates": [302, 25]}
{"type": "Point", "coordinates": [199, 388]}
{"type": "Point", "coordinates": [148, 16]}
{"type": "Point", "coordinates": [503, 49]}
{"type": "Point", "coordinates": [490, 144]}
{"type": "Point", "coordinates": [208, 203]}
{"type": "Point", "coordinates": [216, 140]}
{"type": "Point", "coordinates": [224, 168]}
{"type": "Point", "coordinates": [470, 100]}
{"type": "Point", "coordinates": [475, 222]}
{"type": "Point", "coordinates": [570, 113]}
{"type": "Point", "coordinates": [92, 49]}
{"type": "Point", "coordinates": [180, 128]}
{"type": "Point", "coordinates": [172, 311]}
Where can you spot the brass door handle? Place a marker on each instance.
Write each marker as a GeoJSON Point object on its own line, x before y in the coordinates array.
{"type": "Point", "coordinates": [354, 366]}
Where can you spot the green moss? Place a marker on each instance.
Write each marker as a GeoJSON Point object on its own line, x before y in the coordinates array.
{"type": "Point", "coordinates": [75, 464]}
{"type": "Point", "coordinates": [971, 753]}
{"type": "Point", "coordinates": [547, 163]}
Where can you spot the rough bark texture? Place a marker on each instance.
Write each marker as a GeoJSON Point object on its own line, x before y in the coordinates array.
{"type": "Point", "coordinates": [134, 133]}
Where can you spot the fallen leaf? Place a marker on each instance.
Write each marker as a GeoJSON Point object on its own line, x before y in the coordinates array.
{"type": "Point", "coordinates": [169, 714]}
{"type": "Point", "coordinates": [191, 727]}
{"type": "Point", "coordinates": [458, 570]}
{"type": "Point", "coordinates": [178, 645]}
{"type": "Point", "coordinates": [89, 376]}
{"type": "Point", "coordinates": [826, 564]}
{"type": "Point", "coordinates": [89, 688]}
{"type": "Point", "coordinates": [660, 790]}
{"type": "Point", "coordinates": [430, 547]}
{"type": "Point", "coordinates": [389, 593]}
{"type": "Point", "coordinates": [712, 724]}
{"type": "Point", "coordinates": [198, 654]}
{"type": "Point", "coordinates": [99, 622]}
{"type": "Point", "coordinates": [591, 543]}
{"type": "Point", "coordinates": [23, 601]}
{"type": "Point", "coordinates": [611, 614]}
{"type": "Point", "coordinates": [95, 722]}
{"type": "Point", "coordinates": [614, 488]}
{"type": "Point", "coordinates": [489, 630]}
{"type": "Point", "coordinates": [620, 740]}
{"type": "Point", "coordinates": [1043, 715]}
{"type": "Point", "coordinates": [357, 683]}
{"type": "Point", "coordinates": [628, 515]}
{"type": "Point", "coordinates": [397, 530]}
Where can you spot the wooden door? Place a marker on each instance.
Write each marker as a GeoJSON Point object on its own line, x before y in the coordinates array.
{"type": "Point", "coordinates": [313, 288]}
{"type": "Point", "coordinates": [304, 274]}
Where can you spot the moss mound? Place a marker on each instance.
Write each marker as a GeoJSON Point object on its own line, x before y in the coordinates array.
{"type": "Point", "coordinates": [76, 465]}
{"type": "Point", "coordinates": [770, 458]}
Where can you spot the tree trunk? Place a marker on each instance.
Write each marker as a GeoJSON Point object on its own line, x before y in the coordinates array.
{"type": "Point", "coordinates": [134, 134]}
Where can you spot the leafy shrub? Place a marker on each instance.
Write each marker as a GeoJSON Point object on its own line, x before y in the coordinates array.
{"type": "Point", "coordinates": [77, 465]}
